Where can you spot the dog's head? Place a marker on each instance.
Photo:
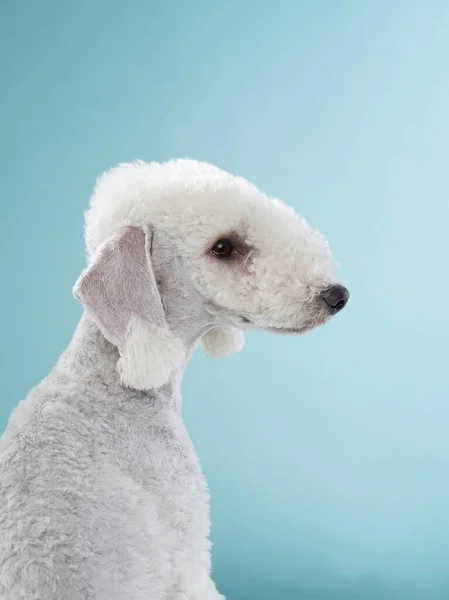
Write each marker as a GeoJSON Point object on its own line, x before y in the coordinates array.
{"type": "Point", "coordinates": [183, 250]}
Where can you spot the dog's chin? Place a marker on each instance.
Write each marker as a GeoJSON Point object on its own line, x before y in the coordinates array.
{"type": "Point", "coordinates": [308, 325]}
{"type": "Point", "coordinates": [287, 330]}
{"type": "Point", "coordinates": [292, 330]}
{"type": "Point", "coordinates": [300, 330]}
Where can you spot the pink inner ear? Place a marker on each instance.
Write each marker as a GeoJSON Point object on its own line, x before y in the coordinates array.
{"type": "Point", "coordinates": [119, 285]}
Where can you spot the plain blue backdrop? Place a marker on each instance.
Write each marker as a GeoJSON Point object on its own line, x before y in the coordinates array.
{"type": "Point", "coordinates": [328, 455]}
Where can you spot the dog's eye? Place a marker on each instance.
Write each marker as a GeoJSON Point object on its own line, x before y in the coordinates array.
{"type": "Point", "coordinates": [223, 249]}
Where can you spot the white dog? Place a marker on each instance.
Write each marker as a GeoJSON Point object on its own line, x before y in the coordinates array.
{"type": "Point", "coordinates": [101, 493]}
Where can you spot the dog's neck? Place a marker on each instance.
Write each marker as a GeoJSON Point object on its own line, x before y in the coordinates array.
{"type": "Point", "coordinates": [90, 357]}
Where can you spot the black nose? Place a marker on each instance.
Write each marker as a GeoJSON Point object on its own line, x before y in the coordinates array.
{"type": "Point", "coordinates": [336, 297]}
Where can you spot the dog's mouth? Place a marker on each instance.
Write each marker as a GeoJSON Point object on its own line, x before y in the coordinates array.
{"type": "Point", "coordinates": [321, 319]}
{"type": "Point", "coordinates": [278, 330]}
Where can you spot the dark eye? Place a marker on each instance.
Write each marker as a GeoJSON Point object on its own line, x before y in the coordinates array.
{"type": "Point", "coordinates": [223, 249]}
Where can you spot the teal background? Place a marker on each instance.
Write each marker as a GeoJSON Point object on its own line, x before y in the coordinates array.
{"type": "Point", "coordinates": [328, 455]}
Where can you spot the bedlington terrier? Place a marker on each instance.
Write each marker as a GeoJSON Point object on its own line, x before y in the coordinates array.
{"type": "Point", "coordinates": [101, 492]}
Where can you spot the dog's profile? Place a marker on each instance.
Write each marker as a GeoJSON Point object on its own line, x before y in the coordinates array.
{"type": "Point", "coordinates": [101, 493]}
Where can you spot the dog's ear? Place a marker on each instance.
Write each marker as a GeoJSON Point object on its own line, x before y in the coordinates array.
{"type": "Point", "coordinates": [118, 290]}
{"type": "Point", "coordinates": [222, 341]}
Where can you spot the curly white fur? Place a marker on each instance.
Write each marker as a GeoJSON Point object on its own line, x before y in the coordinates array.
{"type": "Point", "coordinates": [149, 356]}
{"type": "Point", "coordinates": [222, 341]}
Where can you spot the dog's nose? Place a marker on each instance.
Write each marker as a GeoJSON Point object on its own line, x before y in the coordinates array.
{"type": "Point", "coordinates": [336, 297]}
